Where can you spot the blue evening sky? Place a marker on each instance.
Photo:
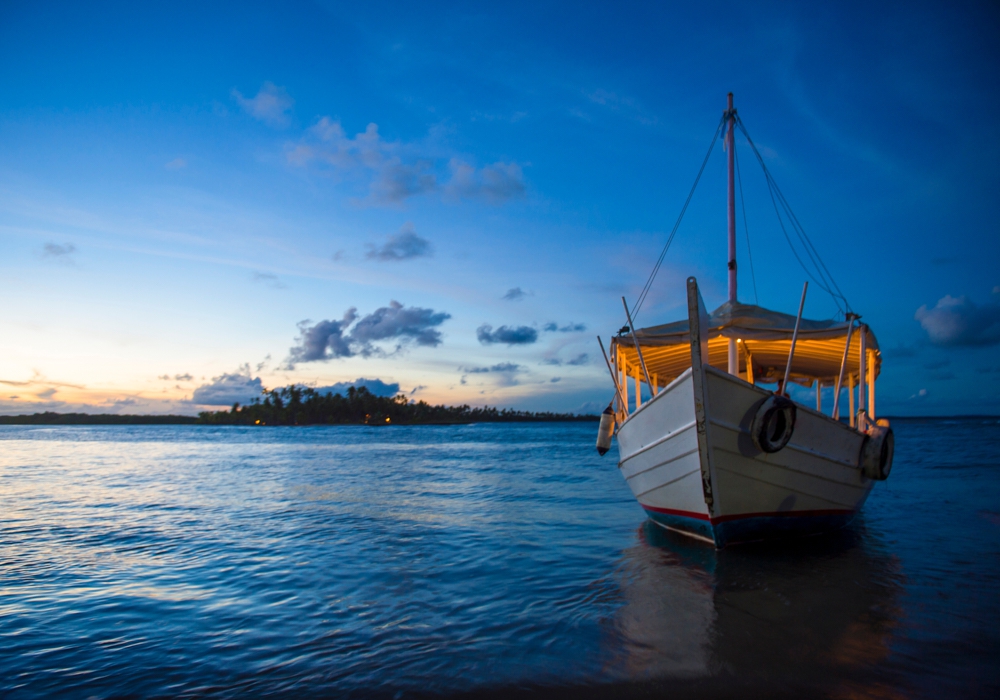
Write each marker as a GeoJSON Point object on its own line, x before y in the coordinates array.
{"type": "Point", "coordinates": [197, 201]}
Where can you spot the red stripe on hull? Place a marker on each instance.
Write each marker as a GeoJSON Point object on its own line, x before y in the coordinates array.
{"type": "Point", "coordinates": [681, 513]}
{"type": "Point", "coordinates": [742, 516]}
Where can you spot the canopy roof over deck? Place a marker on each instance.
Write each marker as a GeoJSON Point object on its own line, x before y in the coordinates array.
{"type": "Point", "coordinates": [763, 338]}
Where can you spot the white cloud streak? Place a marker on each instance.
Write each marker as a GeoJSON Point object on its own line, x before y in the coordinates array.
{"type": "Point", "coordinates": [957, 321]}
{"type": "Point", "coordinates": [395, 171]}
{"type": "Point", "coordinates": [270, 105]}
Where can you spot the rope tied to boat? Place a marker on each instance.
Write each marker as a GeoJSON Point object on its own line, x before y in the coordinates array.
{"type": "Point", "coordinates": [677, 224]}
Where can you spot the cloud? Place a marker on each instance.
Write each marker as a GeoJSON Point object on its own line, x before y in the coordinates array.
{"type": "Point", "coordinates": [405, 245]}
{"type": "Point", "coordinates": [506, 370]}
{"type": "Point", "coordinates": [183, 377]}
{"type": "Point", "coordinates": [122, 402]}
{"type": "Point", "coordinates": [396, 171]}
{"type": "Point", "coordinates": [552, 326]}
{"type": "Point", "coordinates": [37, 379]}
{"type": "Point", "coordinates": [227, 389]}
{"type": "Point", "coordinates": [514, 294]}
{"type": "Point", "coordinates": [375, 386]}
{"type": "Point", "coordinates": [493, 183]}
{"type": "Point", "coordinates": [327, 143]}
{"type": "Point", "coordinates": [268, 279]}
{"type": "Point", "coordinates": [922, 394]}
{"type": "Point", "coordinates": [176, 164]}
{"type": "Point", "coordinates": [46, 393]}
{"type": "Point", "coordinates": [522, 335]}
{"type": "Point", "coordinates": [61, 252]}
{"type": "Point", "coordinates": [417, 388]}
{"type": "Point", "coordinates": [956, 321]}
{"type": "Point", "coordinates": [581, 359]}
{"type": "Point", "coordinates": [501, 367]}
{"type": "Point", "coordinates": [271, 105]}
{"type": "Point", "coordinates": [323, 341]}
{"type": "Point", "coordinates": [390, 179]}
{"type": "Point", "coordinates": [395, 181]}
{"type": "Point", "coordinates": [396, 322]}
{"type": "Point", "coordinates": [332, 339]}
{"type": "Point", "coordinates": [555, 379]}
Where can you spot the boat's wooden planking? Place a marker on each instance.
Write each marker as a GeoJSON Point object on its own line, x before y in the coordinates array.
{"type": "Point", "coordinates": [659, 451]}
{"type": "Point", "coordinates": [817, 471]}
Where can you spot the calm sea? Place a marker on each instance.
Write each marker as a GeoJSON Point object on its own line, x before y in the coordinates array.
{"type": "Point", "coordinates": [175, 561]}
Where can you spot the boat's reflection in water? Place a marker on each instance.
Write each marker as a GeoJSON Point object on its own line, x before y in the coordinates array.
{"type": "Point", "coordinates": [820, 609]}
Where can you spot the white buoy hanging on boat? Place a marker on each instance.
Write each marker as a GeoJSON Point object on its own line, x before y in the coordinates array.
{"type": "Point", "coordinates": [606, 430]}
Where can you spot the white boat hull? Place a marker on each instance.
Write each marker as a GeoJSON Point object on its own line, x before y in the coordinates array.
{"type": "Point", "coordinates": [691, 462]}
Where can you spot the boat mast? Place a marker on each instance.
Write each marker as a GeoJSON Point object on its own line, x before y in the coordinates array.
{"type": "Point", "coordinates": [734, 360]}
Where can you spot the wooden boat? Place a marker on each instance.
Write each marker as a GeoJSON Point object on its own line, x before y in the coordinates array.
{"type": "Point", "coordinates": [715, 455]}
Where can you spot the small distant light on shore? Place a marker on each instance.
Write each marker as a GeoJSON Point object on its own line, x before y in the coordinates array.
{"type": "Point", "coordinates": [257, 421]}
{"type": "Point", "coordinates": [388, 420]}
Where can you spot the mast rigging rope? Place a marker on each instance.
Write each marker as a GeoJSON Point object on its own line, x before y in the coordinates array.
{"type": "Point", "coordinates": [677, 224]}
{"type": "Point", "coordinates": [825, 279]}
{"type": "Point", "coordinates": [746, 227]}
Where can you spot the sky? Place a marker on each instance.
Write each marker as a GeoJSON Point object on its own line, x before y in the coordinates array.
{"type": "Point", "coordinates": [448, 200]}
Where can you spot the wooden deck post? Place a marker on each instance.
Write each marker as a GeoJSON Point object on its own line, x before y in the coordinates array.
{"type": "Point", "coordinates": [863, 371]}
{"type": "Point", "coordinates": [850, 397]}
{"type": "Point", "coordinates": [623, 368]}
{"type": "Point", "coordinates": [871, 384]}
{"type": "Point", "coordinates": [638, 388]}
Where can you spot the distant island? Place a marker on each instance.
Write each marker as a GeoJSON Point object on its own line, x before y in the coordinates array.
{"type": "Point", "coordinates": [297, 405]}
{"type": "Point", "coordinates": [50, 418]}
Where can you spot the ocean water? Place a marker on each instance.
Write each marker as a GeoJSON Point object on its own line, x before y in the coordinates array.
{"type": "Point", "coordinates": [180, 561]}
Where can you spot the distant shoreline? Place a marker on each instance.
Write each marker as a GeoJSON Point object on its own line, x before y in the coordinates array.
{"type": "Point", "coordinates": [50, 418]}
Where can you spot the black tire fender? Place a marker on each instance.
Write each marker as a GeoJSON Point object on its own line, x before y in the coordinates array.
{"type": "Point", "coordinates": [877, 451]}
{"type": "Point", "coordinates": [773, 424]}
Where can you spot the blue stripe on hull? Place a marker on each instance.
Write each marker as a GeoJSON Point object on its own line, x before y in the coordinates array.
{"type": "Point", "coordinates": [774, 527]}
{"type": "Point", "coordinates": [753, 528]}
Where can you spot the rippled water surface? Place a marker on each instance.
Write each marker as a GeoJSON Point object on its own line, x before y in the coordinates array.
{"type": "Point", "coordinates": [337, 561]}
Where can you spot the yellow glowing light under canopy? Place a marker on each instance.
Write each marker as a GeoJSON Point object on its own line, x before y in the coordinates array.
{"type": "Point", "coordinates": [764, 338]}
